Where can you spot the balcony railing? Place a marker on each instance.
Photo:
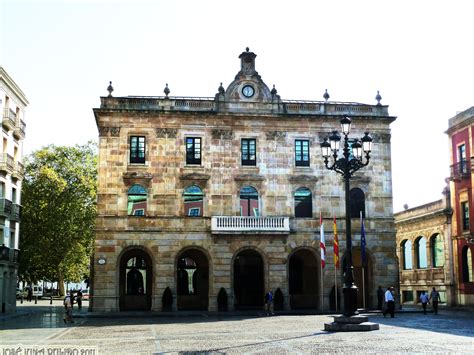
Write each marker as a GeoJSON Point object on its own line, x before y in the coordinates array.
{"type": "Point", "coordinates": [18, 171]}
{"type": "Point", "coordinates": [14, 255]}
{"type": "Point", "coordinates": [6, 163]}
{"type": "Point", "coordinates": [9, 118]}
{"type": "Point", "coordinates": [16, 212]}
{"type": "Point", "coordinates": [5, 207]}
{"type": "Point", "coordinates": [4, 252]}
{"type": "Point", "coordinates": [461, 170]}
{"type": "Point", "coordinates": [257, 225]}
{"type": "Point", "coordinates": [20, 129]}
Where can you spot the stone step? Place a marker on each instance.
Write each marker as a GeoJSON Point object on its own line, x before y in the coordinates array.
{"type": "Point", "coordinates": [350, 327]}
{"type": "Point", "coordinates": [352, 320]}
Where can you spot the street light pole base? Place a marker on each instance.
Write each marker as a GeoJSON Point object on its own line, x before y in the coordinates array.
{"type": "Point", "coordinates": [350, 300]}
{"type": "Point", "coordinates": [351, 324]}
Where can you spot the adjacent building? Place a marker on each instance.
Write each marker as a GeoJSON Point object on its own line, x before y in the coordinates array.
{"type": "Point", "coordinates": [205, 203]}
{"type": "Point", "coordinates": [425, 253]}
{"type": "Point", "coordinates": [13, 103]}
{"type": "Point", "coordinates": [460, 132]}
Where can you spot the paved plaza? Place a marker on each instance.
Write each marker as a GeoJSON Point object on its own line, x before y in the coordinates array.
{"type": "Point", "coordinates": [41, 327]}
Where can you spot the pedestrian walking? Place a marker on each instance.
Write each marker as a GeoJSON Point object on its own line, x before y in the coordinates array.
{"type": "Point", "coordinates": [268, 302]}
{"type": "Point", "coordinates": [79, 299]}
{"type": "Point", "coordinates": [379, 298]}
{"type": "Point", "coordinates": [390, 301]}
{"type": "Point", "coordinates": [68, 308]}
{"type": "Point", "coordinates": [425, 300]}
{"type": "Point", "coordinates": [435, 299]}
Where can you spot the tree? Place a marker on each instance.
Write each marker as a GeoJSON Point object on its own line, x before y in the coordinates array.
{"type": "Point", "coordinates": [59, 210]}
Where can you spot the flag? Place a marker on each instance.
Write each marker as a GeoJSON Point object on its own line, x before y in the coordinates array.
{"type": "Point", "coordinates": [362, 239]}
{"type": "Point", "coordinates": [336, 245]}
{"type": "Point", "coordinates": [322, 245]}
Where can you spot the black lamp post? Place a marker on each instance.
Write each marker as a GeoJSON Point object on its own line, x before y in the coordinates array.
{"type": "Point", "coordinates": [347, 165]}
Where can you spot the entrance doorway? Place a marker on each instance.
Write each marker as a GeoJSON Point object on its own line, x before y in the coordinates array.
{"type": "Point", "coordinates": [193, 280]}
{"type": "Point", "coordinates": [248, 280]}
{"type": "Point", "coordinates": [304, 280]}
{"type": "Point", "coordinates": [135, 281]}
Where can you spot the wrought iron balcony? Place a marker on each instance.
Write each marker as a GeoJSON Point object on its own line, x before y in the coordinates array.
{"type": "Point", "coordinates": [5, 207]}
{"type": "Point", "coordinates": [461, 170]}
{"type": "Point", "coordinates": [250, 225]}
{"type": "Point", "coordinates": [16, 212]}
{"type": "Point", "coordinates": [14, 255]}
{"type": "Point", "coordinates": [6, 163]}
{"type": "Point", "coordinates": [4, 252]}
{"type": "Point", "coordinates": [9, 119]}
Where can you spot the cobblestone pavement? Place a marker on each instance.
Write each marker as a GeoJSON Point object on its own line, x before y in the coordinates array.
{"type": "Point", "coordinates": [448, 332]}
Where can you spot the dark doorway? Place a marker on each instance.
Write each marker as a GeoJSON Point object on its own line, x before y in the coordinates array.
{"type": "Point", "coordinates": [304, 280]}
{"type": "Point", "coordinates": [193, 280]}
{"type": "Point", "coordinates": [248, 280]}
{"type": "Point", "coordinates": [364, 284]}
{"type": "Point", "coordinates": [135, 281]}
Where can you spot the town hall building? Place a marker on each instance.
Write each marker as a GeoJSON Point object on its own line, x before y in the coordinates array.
{"type": "Point", "coordinates": [206, 203]}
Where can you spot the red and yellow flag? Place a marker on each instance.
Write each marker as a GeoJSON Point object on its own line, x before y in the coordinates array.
{"type": "Point", "coordinates": [336, 245]}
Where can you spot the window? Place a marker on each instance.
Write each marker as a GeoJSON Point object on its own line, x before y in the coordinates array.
{"type": "Point", "coordinates": [249, 149]}
{"type": "Point", "coordinates": [302, 152]}
{"type": "Point", "coordinates": [136, 201]}
{"type": "Point", "coordinates": [2, 189]}
{"type": "Point", "coordinates": [137, 150]}
{"type": "Point", "coordinates": [407, 262]}
{"type": "Point", "coordinates": [13, 195]}
{"type": "Point", "coordinates": [303, 203]}
{"type": "Point", "coordinates": [465, 215]}
{"type": "Point", "coordinates": [193, 201]}
{"type": "Point", "coordinates": [407, 296]}
{"type": "Point", "coordinates": [420, 249]}
{"type": "Point", "coordinates": [356, 202]}
{"type": "Point", "coordinates": [466, 264]}
{"type": "Point", "coordinates": [193, 150]}
{"type": "Point", "coordinates": [437, 251]}
{"type": "Point", "coordinates": [249, 201]}
{"type": "Point", "coordinates": [462, 159]}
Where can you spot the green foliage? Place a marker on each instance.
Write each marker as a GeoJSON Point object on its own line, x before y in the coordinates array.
{"type": "Point", "coordinates": [59, 210]}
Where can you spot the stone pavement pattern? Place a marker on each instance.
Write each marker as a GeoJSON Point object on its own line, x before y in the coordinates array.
{"type": "Point", "coordinates": [449, 332]}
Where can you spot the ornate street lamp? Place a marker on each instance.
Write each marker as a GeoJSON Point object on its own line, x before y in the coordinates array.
{"type": "Point", "coordinates": [347, 165]}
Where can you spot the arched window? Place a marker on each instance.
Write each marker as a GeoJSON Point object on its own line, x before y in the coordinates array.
{"type": "Point", "coordinates": [407, 262]}
{"type": "Point", "coordinates": [249, 201]}
{"type": "Point", "coordinates": [356, 202]}
{"type": "Point", "coordinates": [467, 265]}
{"type": "Point", "coordinates": [303, 203]}
{"type": "Point", "coordinates": [420, 249]}
{"type": "Point", "coordinates": [193, 201]}
{"type": "Point", "coordinates": [136, 201]}
{"type": "Point", "coordinates": [437, 251]}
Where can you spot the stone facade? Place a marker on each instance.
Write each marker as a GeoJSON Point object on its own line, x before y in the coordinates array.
{"type": "Point", "coordinates": [424, 248]}
{"type": "Point", "coordinates": [12, 105]}
{"type": "Point", "coordinates": [231, 260]}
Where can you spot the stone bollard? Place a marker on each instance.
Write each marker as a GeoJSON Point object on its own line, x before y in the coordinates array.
{"type": "Point", "coordinates": [36, 299]}
{"type": "Point", "coordinates": [51, 299]}
{"type": "Point", "coordinates": [21, 299]}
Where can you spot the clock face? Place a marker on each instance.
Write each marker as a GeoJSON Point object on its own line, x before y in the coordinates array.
{"type": "Point", "coordinates": [248, 91]}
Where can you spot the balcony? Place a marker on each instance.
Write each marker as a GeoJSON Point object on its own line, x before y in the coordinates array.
{"type": "Point", "coordinates": [6, 163]}
{"type": "Point", "coordinates": [20, 129]}
{"type": "Point", "coordinates": [18, 171]}
{"type": "Point", "coordinates": [461, 170]}
{"type": "Point", "coordinates": [4, 253]}
{"type": "Point", "coordinates": [14, 255]}
{"type": "Point", "coordinates": [16, 212]}
{"type": "Point", "coordinates": [9, 119]}
{"type": "Point", "coordinates": [250, 225]}
{"type": "Point", "coordinates": [5, 207]}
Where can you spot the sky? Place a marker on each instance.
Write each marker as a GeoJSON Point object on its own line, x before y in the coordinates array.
{"type": "Point", "coordinates": [418, 54]}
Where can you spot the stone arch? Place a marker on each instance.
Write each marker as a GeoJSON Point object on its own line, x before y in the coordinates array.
{"type": "Point", "coordinates": [249, 281]}
{"type": "Point", "coordinates": [135, 278]}
{"type": "Point", "coordinates": [304, 278]}
{"type": "Point", "coordinates": [192, 278]}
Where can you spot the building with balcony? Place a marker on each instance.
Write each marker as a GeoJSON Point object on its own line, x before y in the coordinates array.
{"type": "Point", "coordinates": [206, 203]}
{"type": "Point", "coordinates": [460, 132]}
{"type": "Point", "coordinates": [425, 252]}
{"type": "Point", "coordinates": [12, 103]}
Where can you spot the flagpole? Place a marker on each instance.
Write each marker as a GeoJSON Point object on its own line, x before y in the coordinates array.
{"type": "Point", "coordinates": [335, 284]}
{"type": "Point", "coordinates": [362, 252]}
{"type": "Point", "coordinates": [363, 285]}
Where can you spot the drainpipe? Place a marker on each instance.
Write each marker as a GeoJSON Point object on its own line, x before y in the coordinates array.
{"type": "Point", "coordinates": [449, 215]}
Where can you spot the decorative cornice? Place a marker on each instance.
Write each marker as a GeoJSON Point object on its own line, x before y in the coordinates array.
{"type": "Point", "coordinates": [302, 179]}
{"type": "Point", "coordinates": [195, 176]}
{"type": "Point", "coordinates": [273, 135]}
{"type": "Point", "coordinates": [222, 134]}
{"type": "Point", "coordinates": [166, 132]}
{"type": "Point", "coordinates": [248, 177]}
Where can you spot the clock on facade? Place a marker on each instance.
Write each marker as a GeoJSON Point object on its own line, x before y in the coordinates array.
{"type": "Point", "coordinates": [248, 91]}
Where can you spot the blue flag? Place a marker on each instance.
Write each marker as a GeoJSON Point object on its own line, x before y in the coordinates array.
{"type": "Point", "coordinates": [362, 239]}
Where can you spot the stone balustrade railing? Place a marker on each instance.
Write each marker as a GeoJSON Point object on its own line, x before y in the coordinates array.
{"type": "Point", "coordinates": [235, 224]}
